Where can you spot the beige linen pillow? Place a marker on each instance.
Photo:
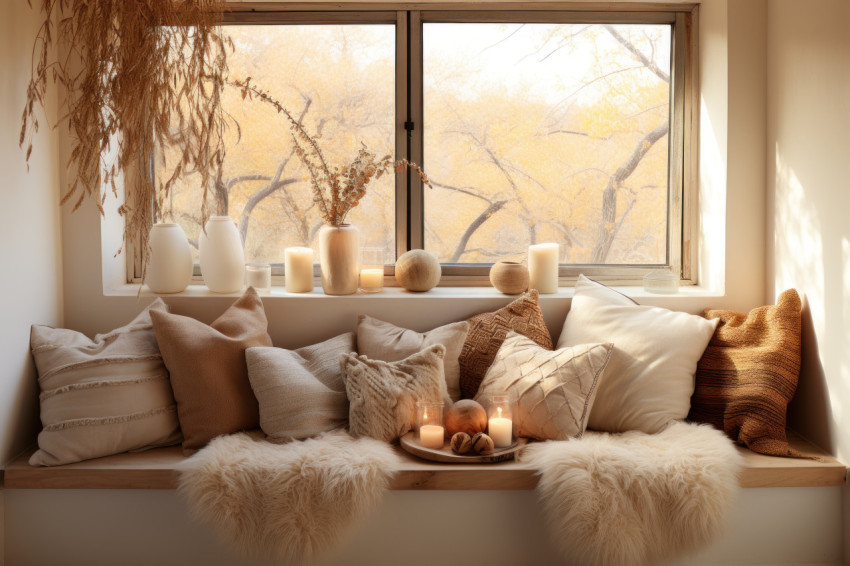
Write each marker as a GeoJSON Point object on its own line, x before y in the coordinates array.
{"type": "Point", "coordinates": [552, 391]}
{"type": "Point", "coordinates": [208, 371]}
{"type": "Point", "coordinates": [379, 340]}
{"type": "Point", "coordinates": [650, 378]}
{"type": "Point", "coordinates": [103, 396]}
{"type": "Point", "coordinates": [300, 392]}
{"type": "Point", "coordinates": [383, 395]}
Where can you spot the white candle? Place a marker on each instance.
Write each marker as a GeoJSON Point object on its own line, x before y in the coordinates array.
{"type": "Point", "coordinates": [500, 430]}
{"type": "Point", "coordinates": [543, 268]}
{"type": "Point", "coordinates": [431, 436]}
{"type": "Point", "coordinates": [298, 270]}
{"type": "Point", "coordinates": [372, 280]}
{"type": "Point", "coordinates": [259, 276]}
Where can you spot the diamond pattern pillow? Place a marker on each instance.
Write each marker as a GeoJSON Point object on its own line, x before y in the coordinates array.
{"type": "Point", "coordinates": [383, 395]}
{"type": "Point", "coordinates": [552, 391]}
{"type": "Point", "coordinates": [487, 331]}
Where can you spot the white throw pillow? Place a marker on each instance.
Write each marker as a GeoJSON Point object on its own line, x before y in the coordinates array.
{"type": "Point", "coordinates": [103, 396]}
{"type": "Point", "coordinates": [650, 379]}
{"type": "Point", "coordinates": [300, 392]}
{"type": "Point", "coordinates": [379, 340]}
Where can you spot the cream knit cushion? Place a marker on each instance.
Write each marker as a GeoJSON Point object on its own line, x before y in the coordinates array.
{"type": "Point", "coordinates": [381, 340]}
{"type": "Point", "coordinates": [300, 392]}
{"type": "Point", "coordinates": [650, 379]}
{"type": "Point", "coordinates": [102, 396]}
{"type": "Point", "coordinates": [383, 395]}
{"type": "Point", "coordinates": [552, 391]}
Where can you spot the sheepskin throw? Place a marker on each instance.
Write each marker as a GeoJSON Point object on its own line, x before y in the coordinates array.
{"type": "Point", "coordinates": [295, 501]}
{"type": "Point", "coordinates": [552, 391]}
{"type": "Point", "coordinates": [632, 499]}
{"type": "Point", "coordinates": [383, 395]}
{"type": "Point", "coordinates": [748, 374]}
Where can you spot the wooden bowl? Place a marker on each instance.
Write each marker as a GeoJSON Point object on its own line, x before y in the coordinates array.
{"type": "Point", "coordinates": [509, 277]}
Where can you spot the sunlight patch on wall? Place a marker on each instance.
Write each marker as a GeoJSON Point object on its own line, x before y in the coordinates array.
{"type": "Point", "coordinates": [712, 205]}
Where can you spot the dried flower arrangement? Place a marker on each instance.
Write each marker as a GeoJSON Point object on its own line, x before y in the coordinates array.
{"type": "Point", "coordinates": [137, 76]}
{"type": "Point", "coordinates": [336, 190]}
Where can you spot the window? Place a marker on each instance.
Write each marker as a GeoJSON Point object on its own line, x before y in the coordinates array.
{"type": "Point", "coordinates": [564, 126]}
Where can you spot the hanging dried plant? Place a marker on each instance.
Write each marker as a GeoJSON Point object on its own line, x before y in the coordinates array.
{"type": "Point", "coordinates": [336, 190]}
{"type": "Point", "coordinates": [139, 75]}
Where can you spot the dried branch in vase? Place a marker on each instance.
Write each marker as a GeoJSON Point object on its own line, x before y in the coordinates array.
{"type": "Point", "coordinates": [138, 76]}
{"type": "Point", "coordinates": [336, 190]}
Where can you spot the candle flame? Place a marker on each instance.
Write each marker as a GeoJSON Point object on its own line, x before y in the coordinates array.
{"type": "Point", "coordinates": [425, 416]}
{"type": "Point", "coordinates": [500, 412]}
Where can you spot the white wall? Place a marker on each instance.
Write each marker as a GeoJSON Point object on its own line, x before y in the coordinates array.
{"type": "Point", "coordinates": [808, 201]}
{"type": "Point", "coordinates": [31, 282]}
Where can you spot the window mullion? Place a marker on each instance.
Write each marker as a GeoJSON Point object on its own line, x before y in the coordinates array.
{"type": "Point", "coordinates": [402, 115]}
{"type": "Point", "coordinates": [417, 231]}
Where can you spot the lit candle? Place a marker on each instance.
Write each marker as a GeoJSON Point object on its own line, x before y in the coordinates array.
{"type": "Point", "coordinates": [431, 436]}
{"type": "Point", "coordinates": [500, 430]}
{"type": "Point", "coordinates": [372, 280]}
{"type": "Point", "coordinates": [543, 268]}
{"type": "Point", "coordinates": [298, 270]}
{"type": "Point", "coordinates": [259, 276]}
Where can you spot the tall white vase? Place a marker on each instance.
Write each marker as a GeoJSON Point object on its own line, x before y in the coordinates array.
{"type": "Point", "coordinates": [170, 263]}
{"type": "Point", "coordinates": [339, 252]}
{"type": "Point", "coordinates": [222, 256]}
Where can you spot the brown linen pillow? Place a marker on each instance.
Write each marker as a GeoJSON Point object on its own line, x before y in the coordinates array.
{"type": "Point", "coordinates": [209, 375]}
{"type": "Point", "coordinates": [487, 331]}
{"type": "Point", "coordinates": [748, 374]}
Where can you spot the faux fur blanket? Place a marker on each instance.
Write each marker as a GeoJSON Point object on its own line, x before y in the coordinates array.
{"type": "Point", "coordinates": [293, 501]}
{"type": "Point", "coordinates": [634, 499]}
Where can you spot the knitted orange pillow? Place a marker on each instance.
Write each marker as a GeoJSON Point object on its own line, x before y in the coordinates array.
{"type": "Point", "coordinates": [748, 375]}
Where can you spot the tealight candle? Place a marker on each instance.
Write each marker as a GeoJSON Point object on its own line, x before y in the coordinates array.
{"type": "Point", "coordinates": [429, 421]}
{"type": "Point", "coordinates": [543, 268]}
{"type": "Point", "coordinates": [500, 426]}
{"type": "Point", "coordinates": [372, 270]}
{"type": "Point", "coordinates": [298, 270]}
{"type": "Point", "coordinates": [259, 276]}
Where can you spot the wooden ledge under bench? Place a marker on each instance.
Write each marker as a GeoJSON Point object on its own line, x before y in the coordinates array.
{"type": "Point", "coordinates": [156, 469]}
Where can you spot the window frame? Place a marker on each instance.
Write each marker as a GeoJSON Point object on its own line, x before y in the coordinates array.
{"type": "Point", "coordinates": [683, 144]}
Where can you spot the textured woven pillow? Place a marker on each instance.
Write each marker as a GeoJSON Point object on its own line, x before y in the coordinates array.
{"type": "Point", "coordinates": [487, 331]}
{"type": "Point", "coordinates": [552, 390]}
{"type": "Point", "coordinates": [650, 379]}
{"type": "Point", "coordinates": [300, 392]}
{"type": "Point", "coordinates": [208, 371]}
{"type": "Point", "coordinates": [383, 395]}
{"type": "Point", "coordinates": [748, 374]}
{"type": "Point", "coordinates": [102, 396]}
{"type": "Point", "coordinates": [387, 342]}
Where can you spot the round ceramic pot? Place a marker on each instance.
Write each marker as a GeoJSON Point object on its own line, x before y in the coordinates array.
{"type": "Point", "coordinates": [169, 268]}
{"type": "Point", "coordinates": [509, 277]}
{"type": "Point", "coordinates": [339, 250]}
{"type": "Point", "coordinates": [222, 256]}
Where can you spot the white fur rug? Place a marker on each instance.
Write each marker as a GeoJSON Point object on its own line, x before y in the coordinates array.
{"type": "Point", "coordinates": [634, 499]}
{"type": "Point", "coordinates": [293, 501]}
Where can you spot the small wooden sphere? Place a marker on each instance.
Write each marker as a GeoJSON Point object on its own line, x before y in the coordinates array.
{"type": "Point", "coordinates": [482, 444]}
{"type": "Point", "coordinates": [417, 270]}
{"type": "Point", "coordinates": [461, 443]}
{"type": "Point", "coordinates": [509, 277]}
{"type": "Point", "coordinates": [465, 416]}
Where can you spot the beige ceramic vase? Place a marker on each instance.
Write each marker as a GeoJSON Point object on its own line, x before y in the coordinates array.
{"type": "Point", "coordinates": [339, 251]}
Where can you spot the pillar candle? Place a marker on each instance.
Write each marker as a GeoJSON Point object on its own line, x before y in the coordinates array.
{"type": "Point", "coordinates": [500, 430]}
{"type": "Point", "coordinates": [298, 270]}
{"type": "Point", "coordinates": [431, 436]}
{"type": "Point", "coordinates": [543, 268]}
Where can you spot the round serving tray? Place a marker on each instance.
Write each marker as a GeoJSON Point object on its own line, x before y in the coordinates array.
{"type": "Point", "coordinates": [410, 443]}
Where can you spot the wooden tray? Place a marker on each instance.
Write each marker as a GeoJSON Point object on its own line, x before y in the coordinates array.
{"type": "Point", "coordinates": [410, 444]}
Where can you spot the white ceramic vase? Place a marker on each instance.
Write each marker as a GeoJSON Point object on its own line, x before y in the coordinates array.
{"type": "Point", "coordinates": [339, 250]}
{"type": "Point", "coordinates": [222, 256]}
{"type": "Point", "coordinates": [170, 263]}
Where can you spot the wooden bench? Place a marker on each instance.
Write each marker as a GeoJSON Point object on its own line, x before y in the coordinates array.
{"type": "Point", "coordinates": [156, 469]}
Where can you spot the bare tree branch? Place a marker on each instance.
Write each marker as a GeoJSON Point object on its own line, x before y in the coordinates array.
{"type": "Point", "coordinates": [647, 62]}
{"type": "Point", "coordinates": [475, 225]}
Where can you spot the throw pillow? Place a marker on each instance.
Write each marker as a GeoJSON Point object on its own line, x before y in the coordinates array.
{"type": "Point", "coordinates": [748, 374]}
{"type": "Point", "coordinates": [552, 391]}
{"type": "Point", "coordinates": [300, 392]}
{"type": "Point", "coordinates": [383, 395]}
{"type": "Point", "coordinates": [387, 342]}
{"type": "Point", "coordinates": [487, 331]}
{"type": "Point", "coordinates": [103, 396]}
{"type": "Point", "coordinates": [650, 379]}
{"type": "Point", "coordinates": [208, 371]}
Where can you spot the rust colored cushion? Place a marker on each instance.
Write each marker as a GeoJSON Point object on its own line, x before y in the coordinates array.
{"type": "Point", "coordinates": [748, 374]}
{"type": "Point", "coordinates": [209, 375]}
{"type": "Point", "coordinates": [487, 331]}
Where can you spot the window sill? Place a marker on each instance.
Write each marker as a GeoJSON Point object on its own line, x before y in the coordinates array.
{"type": "Point", "coordinates": [156, 469]}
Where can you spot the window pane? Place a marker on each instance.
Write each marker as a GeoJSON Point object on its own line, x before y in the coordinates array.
{"type": "Point", "coordinates": [547, 132]}
{"type": "Point", "coordinates": [340, 80]}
